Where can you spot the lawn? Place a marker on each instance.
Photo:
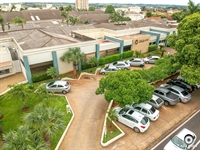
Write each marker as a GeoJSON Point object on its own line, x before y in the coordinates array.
{"type": "Point", "coordinates": [11, 109]}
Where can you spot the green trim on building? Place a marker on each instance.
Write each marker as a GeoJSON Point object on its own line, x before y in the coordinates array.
{"type": "Point", "coordinates": [27, 68]}
{"type": "Point", "coordinates": [55, 62]}
{"type": "Point", "coordinates": [161, 31]}
{"type": "Point", "coordinates": [121, 49]}
{"type": "Point", "coordinates": [153, 34]}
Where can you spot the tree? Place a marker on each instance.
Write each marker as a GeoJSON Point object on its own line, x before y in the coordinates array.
{"type": "Point", "coordinates": [19, 21]}
{"type": "Point", "coordinates": [3, 23]}
{"type": "Point", "coordinates": [74, 56]}
{"type": "Point", "coordinates": [69, 8]}
{"type": "Point", "coordinates": [186, 43]}
{"type": "Point", "coordinates": [20, 90]}
{"type": "Point", "coordinates": [92, 8]}
{"type": "Point", "coordinates": [66, 16]}
{"type": "Point", "coordinates": [178, 16]}
{"type": "Point", "coordinates": [112, 116]}
{"type": "Point", "coordinates": [51, 72]}
{"type": "Point", "coordinates": [192, 8]}
{"type": "Point", "coordinates": [149, 13]}
{"type": "Point", "coordinates": [73, 20]}
{"type": "Point", "coordinates": [12, 8]}
{"type": "Point", "coordinates": [109, 9]}
{"type": "Point", "coordinates": [125, 87]}
{"type": "Point", "coordinates": [93, 61]}
{"type": "Point", "coordinates": [44, 121]}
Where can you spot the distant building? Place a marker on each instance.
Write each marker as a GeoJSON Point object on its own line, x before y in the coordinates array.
{"type": "Point", "coordinates": [82, 4]}
{"type": "Point", "coordinates": [8, 7]}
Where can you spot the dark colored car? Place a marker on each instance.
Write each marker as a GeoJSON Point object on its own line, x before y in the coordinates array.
{"type": "Point", "coordinates": [181, 84]}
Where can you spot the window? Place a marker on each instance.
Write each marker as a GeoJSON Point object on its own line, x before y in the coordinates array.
{"type": "Point", "coordinates": [144, 111]}
{"type": "Point", "coordinates": [53, 86]}
{"type": "Point", "coordinates": [60, 86]}
{"type": "Point", "coordinates": [137, 108]}
{"type": "Point", "coordinates": [6, 71]}
{"type": "Point", "coordinates": [152, 101]}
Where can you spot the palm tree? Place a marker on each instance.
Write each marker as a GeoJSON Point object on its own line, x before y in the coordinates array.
{"type": "Point", "coordinates": [20, 90]}
{"type": "Point", "coordinates": [42, 91]}
{"type": "Point", "coordinates": [192, 8]}
{"type": "Point", "coordinates": [16, 139]}
{"type": "Point", "coordinates": [44, 121]}
{"type": "Point", "coordinates": [19, 21]}
{"type": "Point", "coordinates": [13, 7]}
{"type": "Point", "coordinates": [51, 72]}
{"type": "Point", "coordinates": [74, 55]}
{"type": "Point", "coordinates": [112, 116]}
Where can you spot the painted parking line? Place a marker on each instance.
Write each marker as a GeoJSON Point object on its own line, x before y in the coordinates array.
{"type": "Point", "coordinates": [195, 146]}
{"type": "Point", "coordinates": [176, 130]}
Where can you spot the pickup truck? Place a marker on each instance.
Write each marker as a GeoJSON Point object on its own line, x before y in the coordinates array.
{"type": "Point", "coordinates": [168, 97]}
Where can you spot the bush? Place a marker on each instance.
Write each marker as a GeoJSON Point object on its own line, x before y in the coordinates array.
{"type": "Point", "coordinates": [102, 61]}
{"type": "Point", "coordinates": [85, 66]}
{"type": "Point", "coordinates": [128, 54]}
{"type": "Point", "coordinates": [152, 48]}
{"type": "Point", "coordinates": [40, 77]}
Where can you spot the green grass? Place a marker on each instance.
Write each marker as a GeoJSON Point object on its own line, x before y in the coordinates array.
{"type": "Point", "coordinates": [111, 134]}
{"type": "Point", "coordinates": [13, 115]}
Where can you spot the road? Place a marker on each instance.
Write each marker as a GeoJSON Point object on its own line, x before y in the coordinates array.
{"type": "Point", "coordinates": [193, 124]}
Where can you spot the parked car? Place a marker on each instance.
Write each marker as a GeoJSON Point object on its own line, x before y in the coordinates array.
{"type": "Point", "coordinates": [184, 96]}
{"type": "Point", "coordinates": [108, 69]}
{"type": "Point", "coordinates": [121, 65]}
{"type": "Point", "coordinates": [194, 87]}
{"type": "Point", "coordinates": [136, 62]}
{"type": "Point", "coordinates": [156, 101]}
{"type": "Point", "coordinates": [184, 140]}
{"type": "Point", "coordinates": [145, 109]}
{"type": "Point", "coordinates": [132, 119]}
{"type": "Point", "coordinates": [181, 84]}
{"type": "Point", "coordinates": [168, 97]}
{"type": "Point", "coordinates": [151, 59]}
{"type": "Point", "coordinates": [58, 86]}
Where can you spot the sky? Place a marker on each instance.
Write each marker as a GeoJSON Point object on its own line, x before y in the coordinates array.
{"type": "Point", "coordinates": [176, 2]}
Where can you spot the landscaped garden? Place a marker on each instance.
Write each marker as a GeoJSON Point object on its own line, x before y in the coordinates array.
{"type": "Point", "coordinates": [32, 115]}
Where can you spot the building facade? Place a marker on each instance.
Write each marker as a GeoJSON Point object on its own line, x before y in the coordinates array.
{"type": "Point", "coordinates": [82, 4]}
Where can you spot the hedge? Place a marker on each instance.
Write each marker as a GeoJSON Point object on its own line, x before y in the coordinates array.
{"type": "Point", "coordinates": [128, 54]}
{"type": "Point", "coordinates": [40, 77]}
{"type": "Point", "coordinates": [152, 48]}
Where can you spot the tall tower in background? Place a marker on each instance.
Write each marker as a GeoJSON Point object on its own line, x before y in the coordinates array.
{"type": "Point", "coordinates": [82, 4]}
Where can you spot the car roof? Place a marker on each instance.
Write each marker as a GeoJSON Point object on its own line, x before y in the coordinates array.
{"type": "Point", "coordinates": [184, 132]}
{"type": "Point", "coordinates": [155, 57]}
{"type": "Point", "coordinates": [163, 89]}
{"type": "Point", "coordinates": [60, 82]}
{"type": "Point", "coordinates": [143, 105]}
{"type": "Point", "coordinates": [137, 59]}
{"type": "Point", "coordinates": [154, 97]}
{"type": "Point", "coordinates": [177, 88]}
{"type": "Point", "coordinates": [136, 114]}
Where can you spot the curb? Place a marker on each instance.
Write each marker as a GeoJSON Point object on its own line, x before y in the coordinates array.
{"type": "Point", "coordinates": [105, 129]}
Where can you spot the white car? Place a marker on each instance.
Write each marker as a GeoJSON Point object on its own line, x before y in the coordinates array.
{"type": "Point", "coordinates": [58, 86]}
{"type": "Point", "coordinates": [108, 69]}
{"type": "Point", "coordinates": [132, 119]}
{"type": "Point", "coordinates": [136, 62]}
{"type": "Point", "coordinates": [156, 101]}
{"type": "Point", "coordinates": [121, 65]}
{"type": "Point", "coordinates": [151, 59]}
{"type": "Point", "coordinates": [146, 109]}
{"type": "Point", "coordinates": [184, 140]}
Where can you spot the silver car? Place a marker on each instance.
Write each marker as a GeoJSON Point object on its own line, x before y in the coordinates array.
{"type": "Point", "coordinates": [136, 62]}
{"type": "Point", "coordinates": [108, 69]}
{"type": "Point", "coordinates": [58, 86]}
{"type": "Point", "coordinates": [121, 65]}
{"type": "Point", "coordinates": [183, 95]}
{"type": "Point", "coordinates": [156, 101]}
{"type": "Point", "coordinates": [151, 59]}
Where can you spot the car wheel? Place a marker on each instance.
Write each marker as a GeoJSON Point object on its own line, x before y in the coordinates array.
{"type": "Point", "coordinates": [64, 92]}
{"type": "Point", "coordinates": [146, 62]}
{"type": "Point", "coordinates": [102, 73]}
{"type": "Point", "coordinates": [166, 103]}
{"type": "Point", "coordinates": [136, 129]}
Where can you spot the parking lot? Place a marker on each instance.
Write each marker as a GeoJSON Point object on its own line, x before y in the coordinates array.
{"type": "Point", "coordinates": [90, 110]}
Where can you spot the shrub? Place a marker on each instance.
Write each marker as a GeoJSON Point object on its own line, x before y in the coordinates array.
{"type": "Point", "coordinates": [102, 61]}
{"type": "Point", "coordinates": [85, 66]}
{"type": "Point", "coordinates": [128, 54]}
{"type": "Point", "coordinates": [152, 48]}
{"type": "Point", "coordinates": [40, 77]}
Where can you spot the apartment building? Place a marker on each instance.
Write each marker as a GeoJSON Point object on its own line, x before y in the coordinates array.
{"type": "Point", "coordinates": [82, 4]}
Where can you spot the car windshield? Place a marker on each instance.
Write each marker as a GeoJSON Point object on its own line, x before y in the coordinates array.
{"type": "Point", "coordinates": [184, 93]}
{"type": "Point", "coordinates": [152, 110]}
{"type": "Point", "coordinates": [145, 120]}
{"type": "Point", "coordinates": [179, 143]}
{"type": "Point", "coordinates": [123, 111]}
{"type": "Point", "coordinates": [66, 84]}
{"type": "Point", "coordinates": [51, 83]}
{"type": "Point", "coordinates": [126, 63]}
{"type": "Point", "coordinates": [159, 101]}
